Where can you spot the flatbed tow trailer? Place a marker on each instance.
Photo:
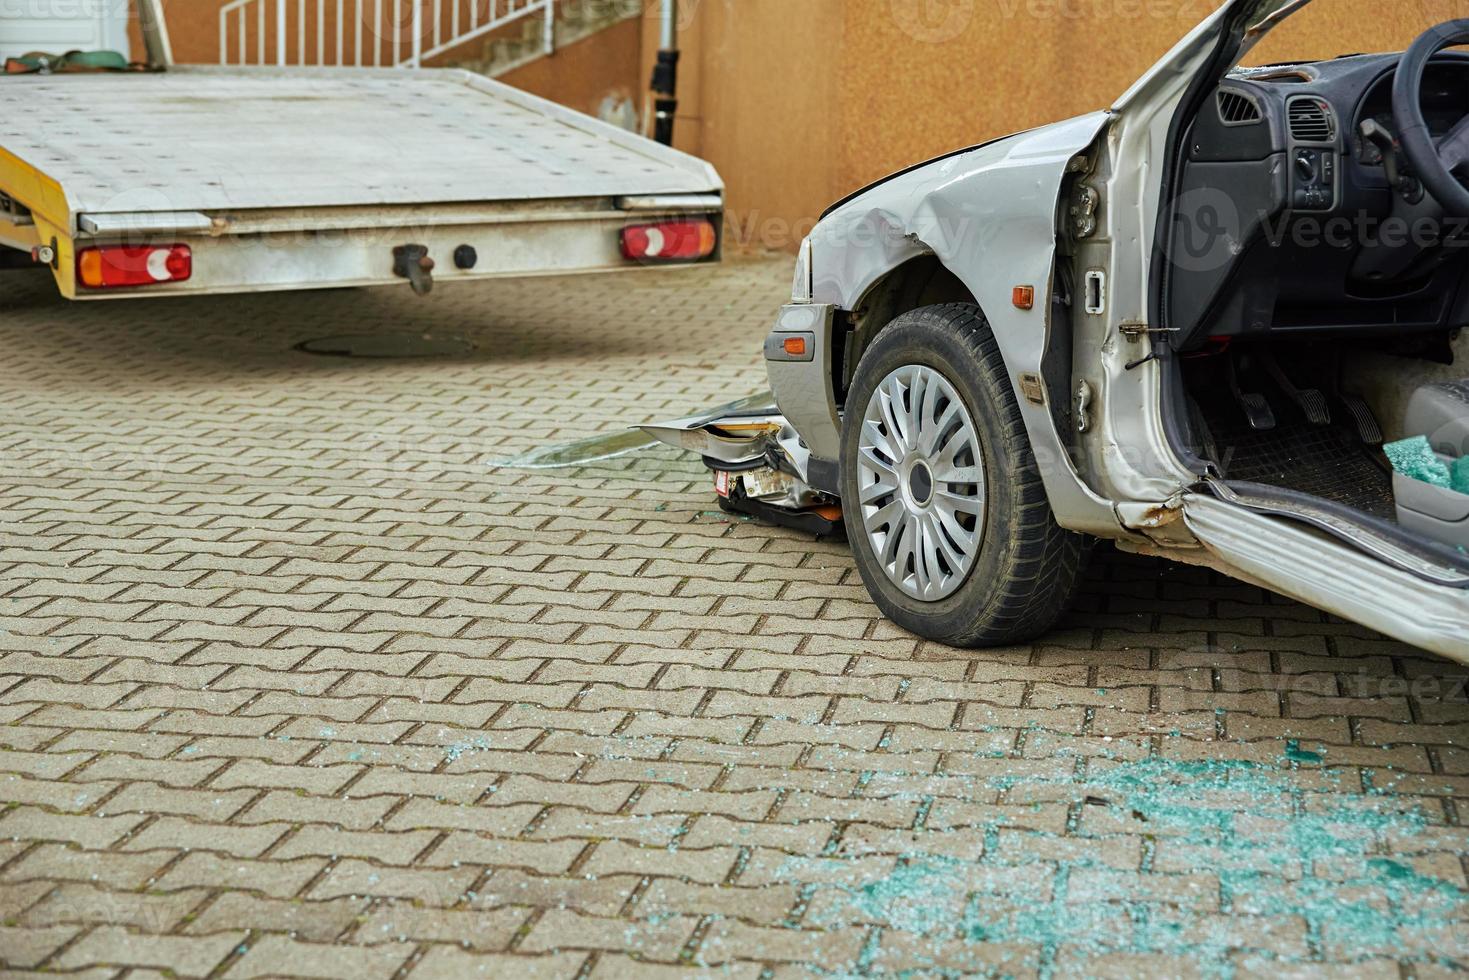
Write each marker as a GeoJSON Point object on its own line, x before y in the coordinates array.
{"type": "Point", "coordinates": [201, 180]}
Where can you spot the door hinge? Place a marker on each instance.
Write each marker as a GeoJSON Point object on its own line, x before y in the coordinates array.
{"type": "Point", "coordinates": [1082, 210]}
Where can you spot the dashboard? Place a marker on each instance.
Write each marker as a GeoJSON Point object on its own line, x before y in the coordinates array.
{"type": "Point", "coordinates": [1273, 165]}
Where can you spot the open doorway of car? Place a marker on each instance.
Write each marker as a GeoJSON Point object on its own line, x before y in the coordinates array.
{"type": "Point", "coordinates": [1308, 275]}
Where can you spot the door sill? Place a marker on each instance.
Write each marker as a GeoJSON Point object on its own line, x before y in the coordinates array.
{"type": "Point", "coordinates": [1383, 540]}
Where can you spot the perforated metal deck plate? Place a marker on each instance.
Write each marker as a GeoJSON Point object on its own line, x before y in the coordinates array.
{"type": "Point", "coordinates": [212, 140]}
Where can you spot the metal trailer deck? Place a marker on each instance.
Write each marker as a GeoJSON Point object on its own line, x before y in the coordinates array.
{"type": "Point", "coordinates": [296, 178]}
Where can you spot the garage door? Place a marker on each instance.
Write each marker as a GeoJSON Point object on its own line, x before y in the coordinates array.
{"type": "Point", "coordinates": [62, 25]}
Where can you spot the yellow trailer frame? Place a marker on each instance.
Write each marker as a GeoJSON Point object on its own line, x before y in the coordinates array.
{"type": "Point", "coordinates": [46, 226]}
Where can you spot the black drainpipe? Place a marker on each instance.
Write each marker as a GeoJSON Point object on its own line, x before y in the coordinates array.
{"type": "Point", "coordinates": [665, 77]}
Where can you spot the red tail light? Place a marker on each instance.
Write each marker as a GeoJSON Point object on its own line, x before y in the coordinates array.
{"type": "Point", "coordinates": [118, 266]}
{"type": "Point", "coordinates": [670, 241]}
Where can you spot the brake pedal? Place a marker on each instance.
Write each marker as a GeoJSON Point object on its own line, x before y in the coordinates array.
{"type": "Point", "coordinates": [1310, 401]}
{"type": "Point", "coordinates": [1368, 430]}
{"type": "Point", "coordinates": [1255, 405]}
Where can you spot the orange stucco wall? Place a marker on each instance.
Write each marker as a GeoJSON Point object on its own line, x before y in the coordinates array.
{"type": "Point", "coordinates": [798, 102]}
{"type": "Point", "coordinates": [584, 74]}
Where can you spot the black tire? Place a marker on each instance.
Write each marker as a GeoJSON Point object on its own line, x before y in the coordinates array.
{"type": "Point", "coordinates": [1028, 568]}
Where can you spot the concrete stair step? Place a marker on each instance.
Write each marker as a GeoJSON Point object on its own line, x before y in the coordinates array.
{"type": "Point", "coordinates": [575, 21]}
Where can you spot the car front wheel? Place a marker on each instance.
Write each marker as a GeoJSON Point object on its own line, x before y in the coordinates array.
{"type": "Point", "coordinates": [945, 509]}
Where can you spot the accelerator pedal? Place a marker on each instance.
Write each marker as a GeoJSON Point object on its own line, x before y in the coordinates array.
{"type": "Point", "coordinates": [1363, 419]}
{"type": "Point", "coordinates": [1368, 429]}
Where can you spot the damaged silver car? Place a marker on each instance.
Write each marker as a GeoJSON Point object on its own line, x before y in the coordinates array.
{"type": "Point", "coordinates": [1218, 323]}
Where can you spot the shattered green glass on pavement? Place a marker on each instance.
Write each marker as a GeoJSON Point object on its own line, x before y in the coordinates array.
{"type": "Point", "coordinates": [1297, 877]}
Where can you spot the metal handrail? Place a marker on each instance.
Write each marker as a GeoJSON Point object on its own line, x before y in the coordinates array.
{"type": "Point", "coordinates": [371, 39]}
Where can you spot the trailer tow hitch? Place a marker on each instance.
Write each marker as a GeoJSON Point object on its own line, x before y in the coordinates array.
{"type": "Point", "coordinates": [412, 262]}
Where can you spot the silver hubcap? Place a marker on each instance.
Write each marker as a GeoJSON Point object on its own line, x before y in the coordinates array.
{"type": "Point", "coordinates": [920, 476]}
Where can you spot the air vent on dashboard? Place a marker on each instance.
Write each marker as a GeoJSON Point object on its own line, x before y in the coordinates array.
{"type": "Point", "coordinates": [1238, 109]}
{"type": "Point", "coordinates": [1311, 121]}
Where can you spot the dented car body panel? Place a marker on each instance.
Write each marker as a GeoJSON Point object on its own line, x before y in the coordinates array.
{"type": "Point", "coordinates": [989, 216]}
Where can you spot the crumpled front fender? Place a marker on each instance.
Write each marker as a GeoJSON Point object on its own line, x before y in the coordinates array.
{"type": "Point", "coordinates": [989, 215]}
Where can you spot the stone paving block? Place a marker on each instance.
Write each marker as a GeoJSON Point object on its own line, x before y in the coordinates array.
{"type": "Point", "coordinates": [600, 895]}
{"type": "Point", "coordinates": [713, 830]}
{"type": "Point", "coordinates": [644, 829]}
{"type": "Point", "coordinates": [353, 814]}
{"type": "Point", "coordinates": [450, 812]}
{"type": "Point", "coordinates": [393, 848]}
{"type": "Point", "coordinates": [435, 888]}
{"type": "Point", "coordinates": [281, 956]}
{"type": "Point", "coordinates": [693, 750]}
{"type": "Point", "coordinates": [175, 833]}
{"type": "Point", "coordinates": [767, 866]}
{"type": "Point", "coordinates": [624, 967]}
{"type": "Point", "coordinates": [281, 751]}
{"type": "Point", "coordinates": [727, 941]}
{"type": "Point", "coordinates": [544, 857]}
{"type": "Point", "coordinates": [61, 797]}
{"type": "Point", "coordinates": [475, 930]}
{"type": "Point", "coordinates": [259, 774]}
{"type": "Point", "coordinates": [736, 802]}
{"type": "Point", "coordinates": [781, 731]}
{"type": "Point", "coordinates": [709, 866]}
{"type": "Point", "coordinates": [25, 948]}
{"type": "Point", "coordinates": [310, 921]}
{"type": "Point", "coordinates": [658, 939]}
{"type": "Point", "coordinates": [44, 765]}
{"type": "Point", "coordinates": [729, 730]}
{"type": "Point", "coordinates": [280, 879]}
{"type": "Point", "coordinates": [187, 956]}
{"type": "Point", "coordinates": [201, 805]}
{"type": "Point", "coordinates": [860, 840]}
{"type": "Point", "coordinates": [450, 962]}
{"type": "Point", "coordinates": [86, 830]}
{"type": "Point", "coordinates": [682, 775]}
{"type": "Point", "coordinates": [597, 797]}
{"type": "Point", "coordinates": [769, 904]}
{"type": "Point", "coordinates": [177, 773]}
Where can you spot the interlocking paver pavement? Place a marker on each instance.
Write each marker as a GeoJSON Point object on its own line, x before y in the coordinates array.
{"type": "Point", "coordinates": [294, 681]}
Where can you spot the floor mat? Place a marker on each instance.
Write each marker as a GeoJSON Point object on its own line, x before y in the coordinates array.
{"type": "Point", "coordinates": [1324, 461]}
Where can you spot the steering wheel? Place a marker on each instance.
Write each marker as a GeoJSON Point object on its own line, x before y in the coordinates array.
{"type": "Point", "coordinates": [1433, 163]}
